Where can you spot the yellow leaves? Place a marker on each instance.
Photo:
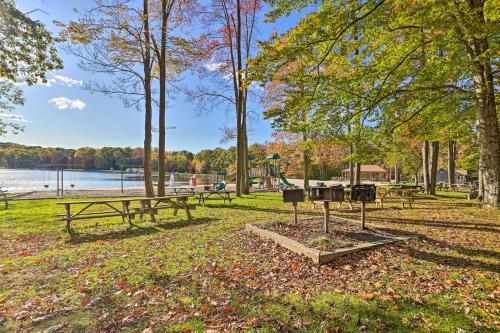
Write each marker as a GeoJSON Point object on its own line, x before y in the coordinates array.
{"type": "Point", "coordinates": [347, 268]}
{"type": "Point", "coordinates": [378, 284]}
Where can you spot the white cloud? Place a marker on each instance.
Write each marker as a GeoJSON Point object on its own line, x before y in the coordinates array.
{"type": "Point", "coordinates": [55, 79]}
{"type": "Point", "coordinates": [67, 81]}
{"type": "Point", "coordinates": [13, 117]}
{"type": "Point", "coordinates": [214, 66]}
{"type": "Point", "coordinates": [64, 103]}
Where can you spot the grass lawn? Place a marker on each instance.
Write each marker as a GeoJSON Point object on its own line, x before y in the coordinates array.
{"type": "Point", "coordinates": [208, 274]}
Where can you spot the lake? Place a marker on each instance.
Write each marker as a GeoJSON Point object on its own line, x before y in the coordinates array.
{"type": "Point", "coordinates": [22, 180]}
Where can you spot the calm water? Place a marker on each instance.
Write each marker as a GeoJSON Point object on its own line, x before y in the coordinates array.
{"type": "Point", "coordinates": [17, 180]}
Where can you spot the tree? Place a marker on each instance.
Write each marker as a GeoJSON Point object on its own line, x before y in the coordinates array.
{"type": "Point", "coordinates": [226, 45]}
{"type": "Point", "coordinates": [27, 53]}
{"type": "Point", "coordinates": [420, 53]}
{"type": "Point", "coordinates": [115, 39]}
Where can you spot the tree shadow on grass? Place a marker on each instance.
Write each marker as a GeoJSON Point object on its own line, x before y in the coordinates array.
{"type": "Point", "coordinates": [136, 230]}
{"type": "Point", "coordinates": [453, 261]}
{"type": "Point", "coordinates": [487, 227]}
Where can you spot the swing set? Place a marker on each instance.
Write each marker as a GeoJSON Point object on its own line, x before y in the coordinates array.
{"type": "Point", "coordinates": [60, 169]}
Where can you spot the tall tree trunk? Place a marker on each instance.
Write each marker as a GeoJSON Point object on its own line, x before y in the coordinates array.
{"type": "Point", "coordinates": [246, 185]}
{"type": "Point", "coordinates": [351, 164]}
{"type": "Point", "coordinates": [306, 164]}
{"type": "Point", "coordinates": [433, 167]}
{"type": "Point", "coordinates": [357, 173]}
{"type": "Point", "coordinates": [240, 173]}
{"type": "Point", "coordinates": [425, 166]}
{"type": "Point", "coordinates": [489, 137]}
{"type": "Point", "coordinates": [451, 163]}
{"type": "Point", "coordinates": [148, 175]}
{"type": "Point", "coordinates": [486, 112]}
{"type": "Point", "coordinates": [396, 174]}
{"type": "Point", "coordinates": [162, 103]}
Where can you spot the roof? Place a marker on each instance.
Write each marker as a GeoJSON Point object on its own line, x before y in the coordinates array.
{"type": "Point", "coordinates": [370, 168]}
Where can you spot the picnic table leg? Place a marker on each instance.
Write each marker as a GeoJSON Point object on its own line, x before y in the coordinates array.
{"type": "Point", "coordinates": [186, 208]}
{"type": "Point", "coordinates": [143, 207]}
{"type": "Point", "coordinates": [126, 210]}
{"type": "Point", "coordinates": [176, 209]}
{"type": "Point", "coordinates": [151, 214]}
{"type": "Point", "coordinates": [68, 218]}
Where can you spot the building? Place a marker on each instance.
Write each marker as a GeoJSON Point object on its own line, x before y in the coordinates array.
{"type": "Point", "coordinates": [442, 176]}
{"type": "Point", "coordinates": [370, 172]}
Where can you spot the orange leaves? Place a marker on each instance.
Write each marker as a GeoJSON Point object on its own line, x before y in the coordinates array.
{"type": "Point", "coordinates": [84, 290]}
{"type": "Point", "coordinates": [395, 307]}
{"type": "Point", "coordinates": [366, 295]}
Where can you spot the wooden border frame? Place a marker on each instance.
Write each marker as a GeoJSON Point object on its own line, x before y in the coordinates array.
{"type": "Point", "coordinates": [317, 256]}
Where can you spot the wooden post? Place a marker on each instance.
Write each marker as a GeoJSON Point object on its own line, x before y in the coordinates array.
{"type": "Point", "coordinates": [326, 211]}
{"type": "Point", "coordinates": [68, 217]}
{"type": "Point", "coordinates": [62, 182]}
{"type": "Point", "coordinates": [296, 220]}
{"type": "Point", "coordinates": [363, 214]}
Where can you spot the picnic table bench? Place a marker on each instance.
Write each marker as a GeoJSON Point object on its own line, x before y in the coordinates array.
{"type": "Point", "coordinates": [403, 194]}
{"type": "Point", "coordinates": [214, 195]}
{"type": "Point", "coordinates": [123, 208]}
{"type": "Point", "coordinates": [3, 193]}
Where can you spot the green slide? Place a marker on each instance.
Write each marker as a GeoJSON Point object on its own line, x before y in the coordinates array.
{"type": "Point", "coordinates": [284, 182]}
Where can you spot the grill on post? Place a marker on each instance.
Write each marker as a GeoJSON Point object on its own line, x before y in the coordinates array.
{"type": "Point", "coordinates": [323, 193]}
{"type": "Point", "coordinates": [364, 193]}
{"type": "Point", "coordinates": [294, 195]}
{"type": "Point", "coordinates": [326, 194]}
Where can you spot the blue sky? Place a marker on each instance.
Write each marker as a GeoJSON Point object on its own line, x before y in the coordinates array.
{"type": "Point", "coordinates": [65, 115]}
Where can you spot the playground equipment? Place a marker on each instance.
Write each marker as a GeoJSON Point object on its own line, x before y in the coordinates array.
{"type": "Point", "coordinates": [284, 183]}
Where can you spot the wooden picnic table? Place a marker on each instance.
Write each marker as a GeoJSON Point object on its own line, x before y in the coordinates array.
{"type": "Point", "coordinates": [206, 195]}
{"type": "Point", "coordinates": [404, 194]}
{"type": "Point", "coordinates": [123, 208]}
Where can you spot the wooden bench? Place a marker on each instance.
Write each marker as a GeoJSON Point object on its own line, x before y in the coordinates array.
{"type": "Point", "coordinates": [3, 193]}
{"type": "Point", "coordinates": [123, 208]}
{"type": "Point", "coordinates": [206, 195]}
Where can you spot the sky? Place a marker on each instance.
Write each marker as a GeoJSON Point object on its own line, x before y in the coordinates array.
{"type": "Point", "coordinates": [63, 114]}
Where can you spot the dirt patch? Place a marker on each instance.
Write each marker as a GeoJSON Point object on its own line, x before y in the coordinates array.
{"type": "Point", "coordinates": [342, 234]}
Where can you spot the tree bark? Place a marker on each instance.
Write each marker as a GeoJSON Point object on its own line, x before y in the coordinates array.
{"type": "Point", "coordinates": [148, 175]}
{"type": "Point", "coordinates": [240, 173]}
{"type": "Point", "coordinates": [433, 167]}
{"type": "Point", "coordinates": [425, 166]}
{"type": "Point", "coordinates": [451, 163]}
{"type": "Point", "coordinates": [162, 103]}
{"type": "Point", "coordinates": [357, 167]}
{"type": "Point", "coordinates": [306, 164]}
{"type": "Point", "coordinates": [486, 112]}
{"type": "Point", "coordinates": [396, 174]}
